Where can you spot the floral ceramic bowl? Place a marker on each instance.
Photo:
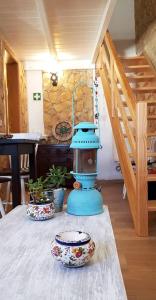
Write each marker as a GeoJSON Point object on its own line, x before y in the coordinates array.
{"type": "Point", "coordinates": [40, 211]}
{"type": "Point", "coordinates": [73, 248]}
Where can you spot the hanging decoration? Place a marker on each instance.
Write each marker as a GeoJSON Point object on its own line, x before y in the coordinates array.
{"type": "Point", "coordinates": [96, 115]}
{"type": "Point", "coordinates": [62, 131]}
{"type": "Point", "coordinates": [96, 110]}
{"type": "Point", "coordinates": [94, 89]}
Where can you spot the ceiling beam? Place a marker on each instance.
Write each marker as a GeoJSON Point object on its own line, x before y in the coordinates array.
{"type": "Point", "coordinates": [44, 21]}
{"type": "Point", "coordinates": [108, 11]}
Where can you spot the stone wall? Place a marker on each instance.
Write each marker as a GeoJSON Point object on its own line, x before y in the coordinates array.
{"type": "Point", "coordinates": [145, 27]}
{"type": "Point", "coordinates": [58, 100]}
{"type": "Point", "coordinates": [145, 14]}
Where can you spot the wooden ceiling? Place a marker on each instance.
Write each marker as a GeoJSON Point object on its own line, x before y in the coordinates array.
{"type": "Point", "coordinates": [68, 29]}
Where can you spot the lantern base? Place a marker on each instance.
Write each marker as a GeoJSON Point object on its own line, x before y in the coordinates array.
{"type": "Point", "coordinates": [85, 202]}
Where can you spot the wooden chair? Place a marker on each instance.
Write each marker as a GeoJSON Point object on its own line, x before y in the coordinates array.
{"type": "Point", "coordinates": [2, 181]}
{"type": "Point", "coordinates": [24, 174]}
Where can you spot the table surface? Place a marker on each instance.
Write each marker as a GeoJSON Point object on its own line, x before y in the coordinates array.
{"type": "Point", "coordinates": [28, 270]}
{"type": "Point", "coordinates": [17, 141]}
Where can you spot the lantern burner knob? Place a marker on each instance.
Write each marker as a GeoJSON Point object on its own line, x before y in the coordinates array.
{"type": "Point", "coordinates": [77, 185]}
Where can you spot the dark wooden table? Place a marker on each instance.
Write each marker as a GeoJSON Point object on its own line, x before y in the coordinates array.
{"type": "Point", "coordinates": [14, 148]}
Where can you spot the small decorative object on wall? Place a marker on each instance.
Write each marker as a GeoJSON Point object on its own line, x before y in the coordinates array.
{"type": "Point", "coordinates": [36, 96]}
{"type": "Point", "coordinates": [73, 248]}
{"type": "Point", "coordinates": [62, 131]}
{"type": "Point", "coordinates": [85, 199]}
{"type": "Point", "coordinates": [54, 79]}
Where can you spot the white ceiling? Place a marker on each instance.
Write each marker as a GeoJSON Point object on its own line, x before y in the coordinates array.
{"type": "Point", "coordinates": [68, 29]}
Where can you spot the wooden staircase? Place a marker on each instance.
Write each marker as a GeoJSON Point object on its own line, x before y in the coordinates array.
{"type": "Point", "coordinates": [130, 90]}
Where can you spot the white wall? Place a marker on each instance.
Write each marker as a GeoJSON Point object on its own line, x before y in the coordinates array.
{"type": "Point", "coordinates": [35, 108]}
{"type": "Point", "coordinates": [125, 48]}
{"type": "Point", "coordinates": [122, 23]}
{"type": "Point", "coordinates": [106, 156]}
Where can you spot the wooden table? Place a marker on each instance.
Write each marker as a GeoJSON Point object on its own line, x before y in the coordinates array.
{"type": "Point", "coordinates": [29, 272]}
{"type": "Point", "coordinates": [14, 148]}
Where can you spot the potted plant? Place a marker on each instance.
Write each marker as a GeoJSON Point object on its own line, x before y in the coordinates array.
{"type": "Point", "coordinates": [56, 180]}
{"type": "Point", "coordinates": [41, 205]}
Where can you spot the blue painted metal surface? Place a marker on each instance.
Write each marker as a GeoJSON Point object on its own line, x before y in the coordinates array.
{"type": "Point", "coordinates": [85, 137]}
{"type": "Point", "coordinates": [87, 200]}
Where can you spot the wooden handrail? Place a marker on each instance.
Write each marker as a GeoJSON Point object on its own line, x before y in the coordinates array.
{"type": "Point", "coordinates": [116, 75]}
{"type": "Point", "coordinates": [121, 75]}
{"type": "Point", "coordinates": [126, 110]}
{"type": "Point", "coordinates": [125, 161]}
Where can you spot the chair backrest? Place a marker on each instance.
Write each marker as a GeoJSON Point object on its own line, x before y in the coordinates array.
{"type": "Point", "coordinates": [152, 147]}
{"type": "Point", "coordinates": [2, 211]}
{"type": "Point", "coordinates": [24, 161]}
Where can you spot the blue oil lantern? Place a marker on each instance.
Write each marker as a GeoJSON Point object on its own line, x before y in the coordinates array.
{"type": "Point", "coordinates": [85, 199]}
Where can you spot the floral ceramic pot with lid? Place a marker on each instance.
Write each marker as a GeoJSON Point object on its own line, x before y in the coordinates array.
{"type": "Point", "coordinates": [73, 248]}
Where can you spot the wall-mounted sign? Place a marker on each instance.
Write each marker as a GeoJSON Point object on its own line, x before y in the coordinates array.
{"type": "Point", "coordinates": [36, 96]}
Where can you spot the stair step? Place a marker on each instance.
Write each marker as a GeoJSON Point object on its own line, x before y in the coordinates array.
{"type": "Point", "coordinates": [138, 68]}
{"type": "Point", "coordinates": [149, 134]}
{"type": "Point", "coordinates": [143, 78]}
{"type": "Point", "coordinates": [128, 117]}
{"type": "Point", "coordinates": [151, 102]}
{"type": "Point", "coordinates": [134, 60]}
{"type": "Point", "coordinates": [124, 103]}
{"type": "Point", "coordinates": [151, 177]}
{"type": "Point", "coordinates": [151, 154]}
{"type": "Point", "coordinates": [151, 117]}
{"type": "Point", "coordinates": [151, 205]}
{"type": "Point", "coordinates": [142, 90]}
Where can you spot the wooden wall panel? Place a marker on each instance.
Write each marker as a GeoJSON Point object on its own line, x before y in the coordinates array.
{"type": "Point", "coordinates": [17, 93]}
{"type": "Point", "coordinates": [23, 99]}
{"type": "Point", "coordinates": [2, 92]}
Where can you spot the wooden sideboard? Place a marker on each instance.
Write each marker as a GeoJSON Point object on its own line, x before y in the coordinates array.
{"type": "Point", "coordinates": [51, 154]}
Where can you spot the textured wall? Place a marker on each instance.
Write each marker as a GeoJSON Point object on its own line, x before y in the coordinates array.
{"type": "Point", "coordinates": [58, 100]}
{"type": "Point", "coordinates": [145, 26]}
{"type": "Point", "coordinates": [145, 14]}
